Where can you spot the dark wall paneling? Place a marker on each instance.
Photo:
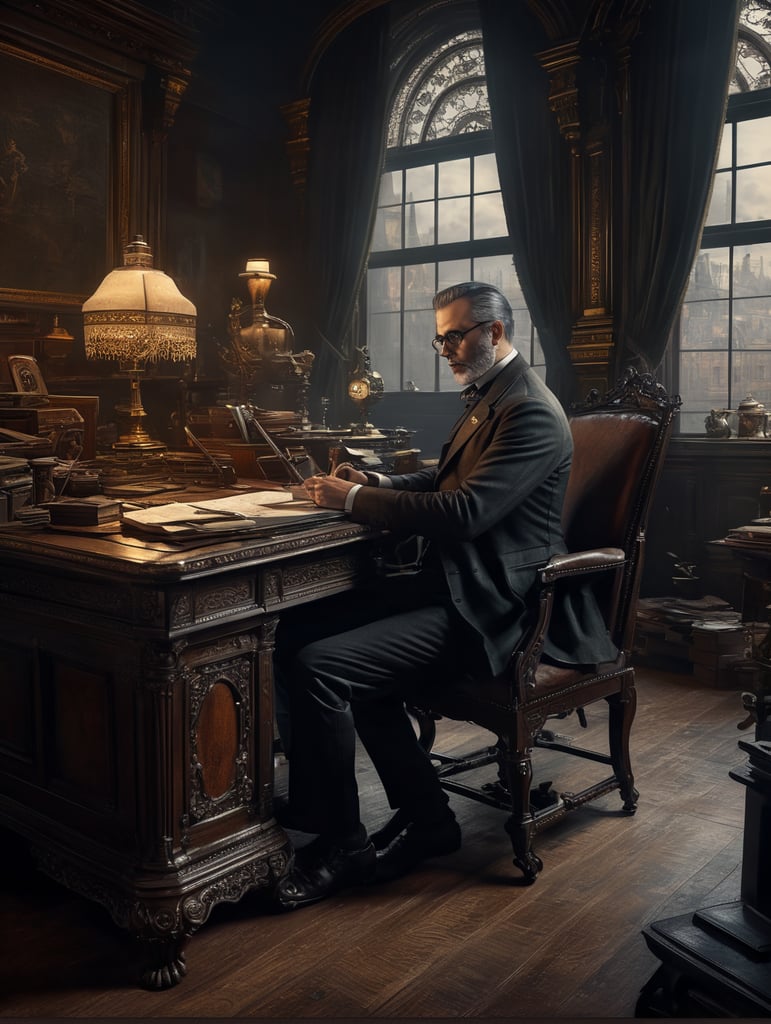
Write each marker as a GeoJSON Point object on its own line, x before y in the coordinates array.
{"type": "Point", "coordinates": [707, 487]}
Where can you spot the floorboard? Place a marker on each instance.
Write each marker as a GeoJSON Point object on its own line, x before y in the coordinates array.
{"type": "Point", "coordinates": [460, 937]}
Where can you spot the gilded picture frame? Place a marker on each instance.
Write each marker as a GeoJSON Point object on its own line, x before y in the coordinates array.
{"type": "Point", "coordinates": [64, 145]}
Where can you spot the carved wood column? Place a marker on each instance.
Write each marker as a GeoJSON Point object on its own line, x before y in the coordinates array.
{"type": "Point", "coordinates": [164, 90]}
{"type": "Point", "coordinates": [588, 139]}
{"type": "Point", "coordinates": [588, 69]}
{"type": "Point", "coordinates": [298, 145]}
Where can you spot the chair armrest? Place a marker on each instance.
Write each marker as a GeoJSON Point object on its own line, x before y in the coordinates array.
{"type": "Point", "coordinates": [578, 563]}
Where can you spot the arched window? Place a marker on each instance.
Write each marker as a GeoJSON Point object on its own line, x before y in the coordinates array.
{"type": "Point", "coordinates": [440, 217]}
{"type": "Point", "coordinates": [725, 324]}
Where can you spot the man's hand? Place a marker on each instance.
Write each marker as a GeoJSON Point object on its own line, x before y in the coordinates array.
{"type": "Point", "coordinates": [328, 491]}
{"type": "Point", "coordinates": [345, 471]}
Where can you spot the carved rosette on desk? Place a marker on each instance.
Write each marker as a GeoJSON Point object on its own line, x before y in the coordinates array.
{"type": "Point", "coordinates": [260, 359]}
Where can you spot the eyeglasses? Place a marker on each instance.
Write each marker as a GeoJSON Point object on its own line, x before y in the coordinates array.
{"type": "Point", "coordinates": [453, 338]}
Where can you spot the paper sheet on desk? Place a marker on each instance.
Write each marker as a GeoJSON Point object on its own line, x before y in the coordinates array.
{"type": "Point", "coordinates": [251, 504]}
{"type": "Point", "coordinates": [246, 510]}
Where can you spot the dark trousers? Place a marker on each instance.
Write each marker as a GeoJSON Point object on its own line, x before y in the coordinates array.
{"type": "Point", "coordinates": [346, 665]}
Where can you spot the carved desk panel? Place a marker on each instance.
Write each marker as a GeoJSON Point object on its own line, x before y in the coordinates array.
{"type": "Point", "coordinates": [136, 715]}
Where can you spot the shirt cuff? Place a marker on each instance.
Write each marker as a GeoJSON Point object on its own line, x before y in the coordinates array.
{"type": "Point", "coordinates": [351, 495]}
{"type": "Point", "coordinates": [373, 480]}
{"type": "Point", "coordinates": [378, 479]}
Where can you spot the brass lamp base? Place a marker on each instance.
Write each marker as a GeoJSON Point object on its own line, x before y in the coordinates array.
{"type": "Point", "coordinates": [128, 443]}
{"type": "Point", "coordinates": [134, 437]}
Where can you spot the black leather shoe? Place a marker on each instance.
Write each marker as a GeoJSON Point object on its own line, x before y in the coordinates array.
{"type": "Point", "coordinates": [415, 845]}
{"type": "Point", "coordinates": [321, 869]}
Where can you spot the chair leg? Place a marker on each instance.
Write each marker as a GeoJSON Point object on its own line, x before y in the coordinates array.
{"type": "Point", "coordinates": [621, 712]}
{"type": "Point", "coordinates": [519, 773]}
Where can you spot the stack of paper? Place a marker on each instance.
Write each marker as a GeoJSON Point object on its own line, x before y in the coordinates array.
{"type": "Point", "coordinates": [240, 513]}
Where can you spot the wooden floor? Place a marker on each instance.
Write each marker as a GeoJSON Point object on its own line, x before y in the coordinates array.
{"type": "Point", "coordinates": [457, 938]}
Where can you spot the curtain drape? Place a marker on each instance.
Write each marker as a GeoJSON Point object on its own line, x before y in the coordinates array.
{"type": "Point", "coordinates": [533, 166]}
{"type": "Point", "coordinates": [346, 124]}
{"type": "Point", "coordinates": [681, 66]}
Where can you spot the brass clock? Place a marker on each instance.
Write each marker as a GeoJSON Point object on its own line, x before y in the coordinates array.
{"type": "Point", "coordinates": [365, 386]}
{"type": "Point", "coordinates": [358, 389]}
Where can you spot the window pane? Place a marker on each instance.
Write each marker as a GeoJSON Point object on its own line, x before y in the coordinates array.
{"type": "Point", "coordinates": [750, 376]}
{"type": "Point", "coordinates": [753, 194]}
{"type": "Point", "coordinates": [384, 290]}
{"type": "Point", "coordinates": [390, 188]}
{"type": "Point", "coordinates": [454, 220]}
{"type": "Point", "coordinates": [486, 173]}
{"type": "Point", "coordinates": [383, 341]}
{"type": "Point", "coordinates": [453, 272]}
{"type": "Point", "coordinates": [419, 225]}
{"type": "Point", "coordinates": [752, 270]}
{"type": "Point", "coordinates": [499, 270]}
{"type": "Point", "coordinates": [704, 378]}
{"type": "Point", "coordinates": [419, 182]}
{"type": "Point", "coordinates": [419, 356]}
{"type": "Point", "coordinates": [719, 211]}
{"type": "Point", "coordinates": [753, 141]}
{"type": "Point", "coordinates": [725, 327]}
{"type": "Point", "coordinates": [709, 277]}
{"type": "Point", "coordinates": [704, 325]}
{"type": "Point", "coordinates": [489, 218]}
{"type": "Point", "coordinates": [752, 68]}
{"type": "Point", "coordinates": [387, 233]}
{"type": "Point", "coordinates": [443, 94]}
{"type": "Point", "coordinates": [454, 178]}
{"type": "Point", "coordinates": [752, 325]}
{"type": "Point", "coordinates": [693, 422]}
{"type": "Point", "coordinates": [419, 286]}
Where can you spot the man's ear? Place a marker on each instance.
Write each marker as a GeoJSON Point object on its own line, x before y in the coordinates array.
{"type": "Point", "coordinates": [496, 331]}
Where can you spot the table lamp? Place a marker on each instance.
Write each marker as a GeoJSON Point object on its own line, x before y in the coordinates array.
{"type": "Point", "coordinates": [138, 315]}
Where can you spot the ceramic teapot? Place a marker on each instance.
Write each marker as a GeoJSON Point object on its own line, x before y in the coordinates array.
{"type": "Point", "coordinates": [752, 417]}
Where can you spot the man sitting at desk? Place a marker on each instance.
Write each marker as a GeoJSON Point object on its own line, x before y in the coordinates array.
{"type": "Point", "coordinates": [490, 512]}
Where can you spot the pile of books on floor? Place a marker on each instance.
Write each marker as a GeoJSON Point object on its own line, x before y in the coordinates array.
{"type": "Point", "coordinates": [718, 649]}
{"type": "Point", "coordinates": [703, 637]}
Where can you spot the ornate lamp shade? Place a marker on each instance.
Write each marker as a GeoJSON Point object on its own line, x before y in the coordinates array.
{"type": "Point", "coordinates": [138, 315]}
{"type": "Point", "coordinates": [138, 312]}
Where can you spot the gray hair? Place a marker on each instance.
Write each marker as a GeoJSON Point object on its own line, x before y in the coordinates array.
{"type": "Point", "coordinates": [487, 302]}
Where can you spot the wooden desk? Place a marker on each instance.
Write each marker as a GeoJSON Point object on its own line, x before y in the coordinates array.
{"type": "Point", "coordinates": [136, 722]}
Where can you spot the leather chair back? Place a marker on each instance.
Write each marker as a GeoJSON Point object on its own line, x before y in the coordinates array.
{"type": "Point", "coordinates": [616, 461]}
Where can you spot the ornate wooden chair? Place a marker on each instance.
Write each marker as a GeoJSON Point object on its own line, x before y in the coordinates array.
{"type": "Point", "coordinates": [619, 445]}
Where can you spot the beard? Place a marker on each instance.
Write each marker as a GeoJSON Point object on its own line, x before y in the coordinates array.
{"type": "Point", "coordinates": [480, 361]}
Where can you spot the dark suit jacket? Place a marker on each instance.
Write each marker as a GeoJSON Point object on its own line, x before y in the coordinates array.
{"type": "Point", "coordinates": [492, 508]}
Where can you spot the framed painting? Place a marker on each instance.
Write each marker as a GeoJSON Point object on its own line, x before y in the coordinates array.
{"type": "Point", "coordinates": [63, 195]}
{"type": "Point", "coordinates": [26, 375]}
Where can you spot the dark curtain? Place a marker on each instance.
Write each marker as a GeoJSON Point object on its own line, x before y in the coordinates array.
{"type": "Point", "coordinates": [682, 62]}
{"type": "Point", "coordinates": [533, 166]}
{"type": "Point", "coordinates": [346, 126]}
